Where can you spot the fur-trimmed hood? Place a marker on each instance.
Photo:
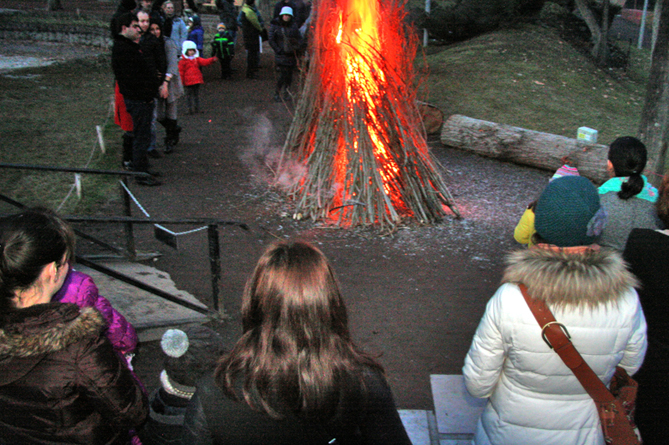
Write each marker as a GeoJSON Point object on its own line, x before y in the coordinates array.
{"type": "Point", "coordinates": [32, 333]}
{"type": "Point", "coordinates": [562, 278]}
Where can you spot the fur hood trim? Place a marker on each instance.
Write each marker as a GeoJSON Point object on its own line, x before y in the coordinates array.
{"type": "Point", "coordinates": [570, 279]}
{"type": "Point", "coordinates": [55, 337]}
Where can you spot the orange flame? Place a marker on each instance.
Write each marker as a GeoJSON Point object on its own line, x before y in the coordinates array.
{"type": "Point", "coordinates": [360, 46]}
{"type": "Point", "coordinates": [357, 127]}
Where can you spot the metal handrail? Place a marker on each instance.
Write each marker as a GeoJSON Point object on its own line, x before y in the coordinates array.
{"type": "Point", "coordinates": [128, 221]}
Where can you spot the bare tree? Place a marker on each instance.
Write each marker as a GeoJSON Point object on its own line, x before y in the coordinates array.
{"type": "Point", "coordinates": [654, 127]}
{"type": "Point", "coordinates": [599, 29]}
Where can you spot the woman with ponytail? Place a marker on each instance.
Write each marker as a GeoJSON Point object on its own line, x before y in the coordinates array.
{"type": "Point", "coordinates": [627, 197]}
{"type": "Point", "coordinates": [60, 379]}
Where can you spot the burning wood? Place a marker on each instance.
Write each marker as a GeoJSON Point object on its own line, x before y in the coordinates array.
{"type": "Point", "coordinates": [357, 128]}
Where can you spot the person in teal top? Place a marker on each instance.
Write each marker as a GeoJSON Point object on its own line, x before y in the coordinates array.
{"type": "Point", "coordinates": [627, 197]}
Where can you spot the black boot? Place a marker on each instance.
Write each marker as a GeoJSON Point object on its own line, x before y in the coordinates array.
{"type": "Point", "coordinates": [169, 145]}
{"type": "Point", "coordinates": [127, 151]}
{"type": "Point", "coordinates": [172, 131]}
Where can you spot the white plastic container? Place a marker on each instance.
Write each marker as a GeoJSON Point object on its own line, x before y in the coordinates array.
{"type": "Point", "coordinates": [587, 135]}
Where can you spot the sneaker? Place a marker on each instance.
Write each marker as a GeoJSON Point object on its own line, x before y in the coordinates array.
{"type": "Point", "coordinates": [148, 181]}
{"type": "Point", "coordinates": [127, 165]}
{"type": "Point", "coordinates": [155, 154]}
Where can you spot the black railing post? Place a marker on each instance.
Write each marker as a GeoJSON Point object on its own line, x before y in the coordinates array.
{"type": "Point", "coordinates": [127, 211]}
{"type": "Point", "coordinates": [214, 263]}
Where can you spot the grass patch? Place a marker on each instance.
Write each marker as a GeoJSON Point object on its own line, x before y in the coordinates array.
{"type": "Point", "coordinates": [49, 117]}
{"type": "Point", "coordinates": [527, 77]}
{"type": "Point", "coordinates": [531, 78]}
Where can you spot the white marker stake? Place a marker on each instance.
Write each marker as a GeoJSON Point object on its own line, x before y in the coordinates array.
{"type": "Point", "coordinates": [101, 139]}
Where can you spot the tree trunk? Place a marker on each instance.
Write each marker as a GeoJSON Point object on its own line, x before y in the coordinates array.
{"type": "Point", "coordinates": [521, 146]}
{"type": "Point", "coordinates": [653, 130]}
{"type": "Point", "coordinates": [600, 49]}
{"type": "Point", "coordinates": [656, 23]}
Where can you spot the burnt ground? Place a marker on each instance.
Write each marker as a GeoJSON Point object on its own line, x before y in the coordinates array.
{"type": "Point", "coordinates": [414, 297]}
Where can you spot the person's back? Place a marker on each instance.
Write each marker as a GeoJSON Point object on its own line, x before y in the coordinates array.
{"type": "Point", "coordinates": [647, 253]}
{"type": "Point", "coordinates": [60, 380]}
{"type": "Point", "coordinates": [628, 198]}
{"type": "Point", "coordinates": [231, 422]}
{"type": "Point", "coordinates": [294, 376]}
{"type": "Point", "coordinates": [623, 216]}
{"type": "Point", "coordinates": [590, 292]}
{"type": "Point", "coordinates": [81, 290]}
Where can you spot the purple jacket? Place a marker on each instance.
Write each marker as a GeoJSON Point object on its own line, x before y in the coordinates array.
{"type": "Point", "coordinates": [80, 289]}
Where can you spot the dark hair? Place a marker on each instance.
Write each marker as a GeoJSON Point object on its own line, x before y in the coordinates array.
{"type": "Point", "coordinates": [118, 22]}
{"type": "Point", "coordinates": [31, 240]}
{"type": "Point", "coordinates": [296, 354]}
{"type": "Point", "coordinates": [662, 204]}
{"type": "Point", "coordinates": [628, 156]}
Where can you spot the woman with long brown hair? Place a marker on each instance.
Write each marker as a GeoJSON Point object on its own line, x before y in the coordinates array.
{"type": "Point", "coordinates": [295, 375]}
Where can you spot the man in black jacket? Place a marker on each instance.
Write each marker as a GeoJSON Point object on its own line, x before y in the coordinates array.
{"type": "Point", "coordinates": [138, 84]}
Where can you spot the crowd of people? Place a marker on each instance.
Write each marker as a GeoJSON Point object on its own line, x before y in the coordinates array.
{"type": "Point", "coordinates": [158, 55]}
{"type": "Point", "coordinates": [296, 376]}
{"type": "Point", "coordinates": [597, 258]}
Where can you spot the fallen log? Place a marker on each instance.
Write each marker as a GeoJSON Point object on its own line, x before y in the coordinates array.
{"type": "Point", "coordinates": [521, 146]}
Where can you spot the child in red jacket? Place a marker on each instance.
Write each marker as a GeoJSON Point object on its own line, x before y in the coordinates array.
{"type": "Point", "coordinates": [191, 74]}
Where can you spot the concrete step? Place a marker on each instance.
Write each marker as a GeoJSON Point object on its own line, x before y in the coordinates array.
{"type": "Point", "coordinates": [149, 314]}
{"type": "Point", "coordinates": [456, 411]}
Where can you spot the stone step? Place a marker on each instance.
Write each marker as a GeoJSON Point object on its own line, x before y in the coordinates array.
{"type": "Point", "coordinates": [150, 314]}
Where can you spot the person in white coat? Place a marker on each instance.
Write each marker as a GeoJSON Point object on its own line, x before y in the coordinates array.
{"type": "Point", "coordinates": [534, 398]}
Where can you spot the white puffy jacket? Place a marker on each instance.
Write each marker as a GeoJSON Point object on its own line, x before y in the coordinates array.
{"type": "Point", "coordinates": [534, 397]}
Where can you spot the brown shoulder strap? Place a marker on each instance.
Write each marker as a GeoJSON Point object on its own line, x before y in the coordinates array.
{"type": "Point", "coordinates": [557, 338]}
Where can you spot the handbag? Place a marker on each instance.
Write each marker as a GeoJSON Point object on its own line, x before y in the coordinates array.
{"type": "Point", "coordinates": [615, 406]}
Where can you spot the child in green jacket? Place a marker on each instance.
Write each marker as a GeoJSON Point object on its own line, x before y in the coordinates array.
{"type": "Point", "coordinates": [223, 47]}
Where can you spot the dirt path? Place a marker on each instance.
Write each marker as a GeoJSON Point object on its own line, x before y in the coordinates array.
{"type": "Point", "coordinates": [415, 297]}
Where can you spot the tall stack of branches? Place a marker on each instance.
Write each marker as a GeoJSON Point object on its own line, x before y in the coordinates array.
{"type": "Point", "coordinates": [357, 129]}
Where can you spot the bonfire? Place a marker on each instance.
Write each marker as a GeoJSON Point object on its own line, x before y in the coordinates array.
{"type": "Point", "coordinates": [357, 131]}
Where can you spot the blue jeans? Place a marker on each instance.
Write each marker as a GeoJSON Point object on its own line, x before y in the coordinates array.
{"type": "Point", "coordinates": [142, 115]}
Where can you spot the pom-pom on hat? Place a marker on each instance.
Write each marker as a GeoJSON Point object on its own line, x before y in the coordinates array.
{"type": "Point", "coordinates": [190, 353]}
{"type": "Point", "coordinates": [565, 170]}
{"type": "Point", "coordinates": [286, 10]}
{"type": "Point", "coordinates": [568, 212]}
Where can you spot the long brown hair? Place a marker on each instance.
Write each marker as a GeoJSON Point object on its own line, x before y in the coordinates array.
{"type": "Point", "coordinates": [296, 355]}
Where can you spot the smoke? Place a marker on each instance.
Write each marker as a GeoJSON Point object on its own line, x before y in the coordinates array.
{"type": "Point", "coordinates": [291, 173]}
{"type": "Point", "coordinates": [262, 154]}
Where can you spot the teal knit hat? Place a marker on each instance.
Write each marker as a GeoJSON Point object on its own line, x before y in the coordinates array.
{"type": "Point", "coordinates": [568, 212]}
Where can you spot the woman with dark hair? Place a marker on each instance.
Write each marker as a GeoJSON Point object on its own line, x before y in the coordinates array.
{"type": "Point", "coordinates": [295, 376]}
{"type": "Point", "coordinates": [647, 253]}
{"type": "Point", "coordinates": [627, 197]}
{"type": "Point", "coordinates": [166, 109]}
{"type": "Point", "coordinates": [60, 379]}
